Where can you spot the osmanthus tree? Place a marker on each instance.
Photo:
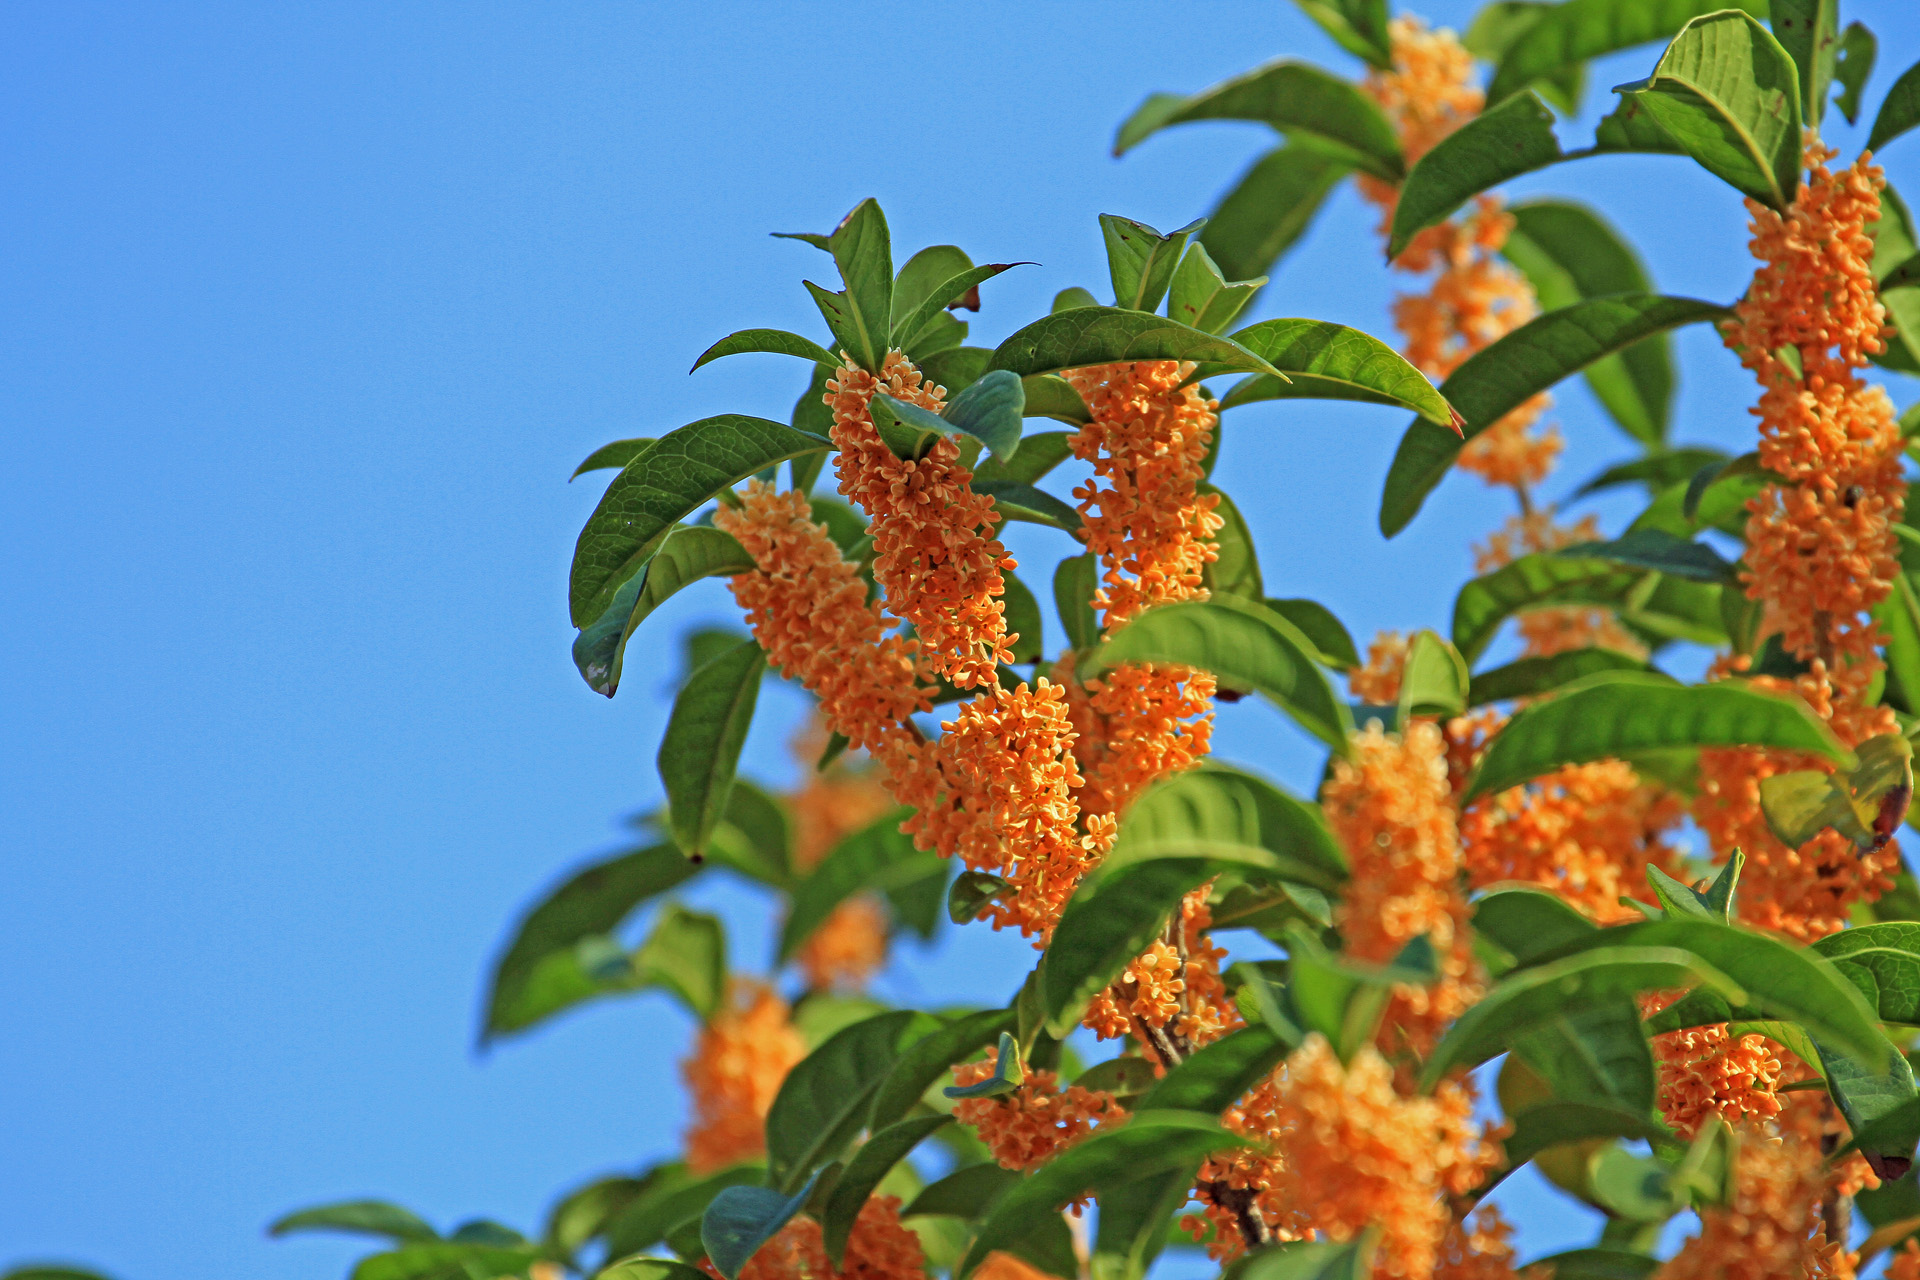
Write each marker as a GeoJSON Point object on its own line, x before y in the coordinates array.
{"type": "Point", "coordinates": [1493, 863]}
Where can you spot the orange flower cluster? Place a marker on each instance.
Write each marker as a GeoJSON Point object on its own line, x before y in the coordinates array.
{"type": "Point", "coordinates": [848, 948]}
{"type": "Point", "coordinates": [1153, 721]}
{"type": "Point", "coordinates": [935, 556]}
{"type": "Point", "coordinates": [1028, 1126]}
{"type": "Point", "coordinates": [1007, 759]}
{"type": "Point", "coordinates": [1587, 831]}
{"type": "Point", "coordinates": [1905, 1265]}
{"type": "Point", "coordinates": [880, 1247]}
{"type": "Point", "coordinates": [1820, 547]}
{"type": "Point", "coordinates": [851, 945]}
{"type": "Point", "coordinates": [1185, 998]}
{"type": "Point", "coordinates": [1770, 1226]}
{"type": "Point", "coordinates": [738, 1063]}
{"type": "Point", "coordinates": [1377, 682]}
{"type": "Point", "coordinates": [1390, 806]}
{"type": "Point", "coordinates": [1427, 95]}
{"type": "Point", "coordinates": [1345, 1151]}
{"type": "Point", "coordinates": [1705, 1072]}
{"type": "Point", "coordinates": [1545, 632]}
{"type": "Point", "coordinates": [1477, 1248]}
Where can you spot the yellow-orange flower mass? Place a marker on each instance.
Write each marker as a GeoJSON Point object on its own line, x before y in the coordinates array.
{"type": "Point", "coordinates": [1028, 1126]}
{"type": "Point", "coordinates": [737, 1066]}
{"type": "Point", "coordinates": [880, 1247]}
{"type": "Point", "coordinates": [1770, 1228]}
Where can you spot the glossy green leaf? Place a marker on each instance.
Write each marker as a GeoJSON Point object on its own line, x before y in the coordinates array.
{"type": "Point", "coordinates": [1567, 35]}
{"type": "Point", "coordinates": [1038, 454]}
{"type": "Point", "coordinates": [1542, 580]}
{"type": "Point", "coordinates": [1809, 30]}
{"type": "Point", "coordinates": [672, 1197]}
{"type": "Point", "coordinates": [1531, 677]}
{"type": "Point", "coordinates": [863, 1173]}
{"type": "Point", "coordinates": [1597, 1054]}
{"type": "Point", "coordinates": [686, 555]}
{"type": "Point", "coordinates": [1218, 1074]}
{"type": "Point", "coordinates": [540, 971]}
{"type": "Point", "coordinates": [955, 368]}
{"type": "Point", "coordinates": [1307, 1260]}
{"type": "Point", "coordinates": [1327, 361]}
{"type": "Point", "coordinates": [1051, 396]}
{"type": "Point", "coordinates": [1325, 631]}
{"type": "Point", "coordinates": [1074, 582]}
{"type": "Point", "coordinates": [1569, 253]}
{"type": "Point", "coordinates": [1600, 1264]}
{"type": "Point", "coordinates": [873, 858]}
{"type": "Point", "coordinates": [617, 454]}
{"type": "Point", "coordinates": [1617, 714]}
{"type": "Point", "coordinates": [825, 1100]}
{"type": "Point", "coordinates": [769, 341]}
{"type": "Point", "coordinates": [1729, 95]}
{"type": "Point", "coordinates": [741, 1219]}
{"type": "Point", "coordinates": [1269, 208]}
{"type": "Point", "coordinates": [1660, 551]}
{"type": "Point", "coordinates": [1125, 1077]}
{"type": "Point", "coordinates": [1528, 922]}
{"type": "Point", "coordinates": [1899, 110]}
{"type": "Point", "coordinates": [701, 747]}
{"type": "Point", "coordinates": [1108, 335]}
{"type": "Point", "coordinates": [1151, 1142]}
{"type": "Point", "coordinates": [1244, 645]}
{"type": "Point", "coordinates": [1511, 139]}
{"type": "Point", "coordinates": [1858, 50]}
{"type": "Point", "coordinates": [1358, 26]}
{"type": "Point", "coordinates": [1141, 260]}
{"type": "Point", "coordinates": [686, 952]}
{"type": "Point", "coordinates": [989, 410]}
{"type": "Point", "coordinates": [964, 1193]}
{"type": "Point", "coordinates": [908, 325]}
{"type": "Point", "coordinates": [1298, 99]}
{"type": "Point", "coordinates": [1237, 570]}
{"type": "Point", "coordinates": [1499, 378]}
{"type": "Point", "coordinates": [1106, 925]}
{"type": "Point", "coordinates": [663, 484]}
{"type": "Point", "coordinates": [469, 1261]}
{"type": "Point", "coordinates": [1866, 804]}
{"type": "Point", "coordinates": [1201, 295]}
{"type": "Point", "coordinates": [862, 248]}
{"type": "Point", "coordinates": [1876, 1100]}
{"type": "Point", "coordinates": [1551, 1124]}
{"type": "Point", "coordinates": [1025, 503]}
{"type": "Point", "coordinates": [1135, 1222]}
{"type": "Point", "coordinates": [1434, 680]}
{"type": "Point", "coordinates": [923, 275]}
{"type": "Point", "coordinates": [970, 894]}
{"type": "Point", "coordinates": [357, 1217]}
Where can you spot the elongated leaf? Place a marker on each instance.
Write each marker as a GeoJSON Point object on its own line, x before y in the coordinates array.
{"type": "Point", "coordinates": [1327, 633]}
{"type": "Point", "coordinates": [1024, 502]}
{"type": "Point", "coordinates": [1201, 295]}
{"type": "Point", "coordinates": [1009, 1073]}
{"type": "Point", "coordinates": [1358, 26]}
{"type": "Point", "coordinates": [1523, 1000]}
{"type": "Point", "coordinates": [989, 410]}
{"type": "Point", "coordinates": [1434, 682]}
{"type": "Point", "coordinates": [1550, 1124]}
{"type": "Point", "coordinates": [1328, 361]}
{"type": "Point", "coordinates": [1568, 253]}
{"type": "Point", "coordinates": [661, 486]}
{"type": "Point", "coordinates": [1876, 1100]}
{"type": "Point", "coordinates": [539, 967]}
{"type": "Point", "coordinates": [1529, 922]}
{"type": "Point", "coordinates": [1074, 582]}
{"type": "Point", "coordinates": [688, 554]}
{"type": "Point", "coordinates": [872, 1162]}
{"type": "Point", "coordinates": [873, 858]}
{"type": "Point", "coordinates": [617, 454]}
{"type": "Point", "coordinates": [1498, 379]}
{"type": "Point", "coordinates": [1051, 396]}
{"type": "Point", "coordinates": [1891, 954]}
{"type": "Point", "coordinates": [1270, 207]}
{"type": "Point", "coordinates": [701, 747]}
{"type": "Point", "coordinates": [1530, 677]}
{"type": "Point", "coordinates": [1108, 335]}
{"type": "Point", "coordinates": [1298, 99]}
{"type": "Point", "coordinates": [1513, 138]}
{"type": "Point", "coordinates": [1218, 1074]}
{"type": "Point", "coordinates": [1858, 49]}
{"type": "Point", "coordinates": [1231, 816]}
{"type": "Point", "coordinates": [771, 341]}
{"type": "Point", "coordinates": [1619, 713]}
{"type": "Point", "coordinates": [1134, 1221]}
{"type": "Point", "coordinates": [1660, 551]}
{"type": "Point", "coordinates": [863, 250]}
{"type": "Point", "coordinates": [741, 1219]}
{"type": "Point", "coordinates": [1566, 35]}
{"type": "Point", "coordinates": [1106, 926]}
{"type": "Point", "coordinates": [687, 954]}
{"type": "Point", "coordinates": [1038, 454]}
{"type": "Point", "coordinates": [824, 1101]}
{"type": "Point", "coordinates": [1246, 646]}
{"type": "Point", "coordinates": [476, 1261]}
{"type": "Point", "coordinates": [1899, 110]}
{"type": "Point", "coordinates": [357, 1217]}
{"type": "Point", "coordinates": [1308, 1260]}
{"type": "Point", "coordinates": [1531, 582]}
{"type": "Point", "coordinates": [583, 1214]}
{"type": "Point", "coordinates": [1237, 571]}
{"type": "Point", "coordinates": [1597, 1054]}
{"type": "Point", "coordinates": [1151, 1142]}
{"type": "Point", "coordinates": [929, 1058]}
{"type": "Point", "coordinates": [1729, 95]}
{"type": "Point", "coordinates": [1809, 30]}
{"type": "Point", "coordinates": [964, 1193]}
{"type": "Point", "coordinates": [1600, 1264]}
{"type": "Point", "coordinates": [672, 1197]}
{"type": "Point", "coordinates": [909, 324]}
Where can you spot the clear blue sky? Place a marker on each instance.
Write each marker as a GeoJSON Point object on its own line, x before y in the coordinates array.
{"type": "Point", "coordinates": [308, 312]}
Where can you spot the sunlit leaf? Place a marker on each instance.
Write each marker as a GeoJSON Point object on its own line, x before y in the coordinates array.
{"type": "Point", "coordinates": [825, 1100]}
{"type": "Point", "coordinates": [1809, 30]}
{"type": "Point", "coordinates": [1008, 1073]}
{"type": "Point", "coordinates": [909, 324]}
{"type": "Point", "coordinates": [1434, 680]}
{"type": "Point", "coordinates": [1109, 335]}
{"type": "Point", "coordinates": [1237, 570]}
{"type": "Point", "coordinates": [1530, 677]}
{"type": "Point", "coordinates": [1325, 631]}
{"type": "Point", "coordinates": [770, 341]}
{"type": "Point", "coordinates": [617, 454]}
{"type": "Point", "coordinates": [1358, 26]}
{"type": "Point", "coordinates": [686, 953]}
{"type": "Point", "coordinates": [1567, 35]}
{"type": "Point", "coordinates": [1327, 361]}
{"type": "Point", "coordinates": [863, 1173]}
{"type": "Point", "coordinates": [1858, 49]}
{"type": "Point", "coordinates": [685, 556]}
{"type": "Point", "coordinates": [1866, 804]}
{"type": "Point", "coordinates": [1074, 583]}
{"type": "Point", "coordinates": [1141, 260]}
{"type": "Point", "coordinates": [642, 1268]}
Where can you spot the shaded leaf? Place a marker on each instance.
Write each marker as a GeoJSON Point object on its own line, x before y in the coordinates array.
{"type": "Point", "coordinates": [1528, 923]}
{"type": "Point", "coordinates": [642, 1268]}
{"type": "Point", "coordinates": [910, 324]}
{"type": "Point", "coordinates": [1866, 804]}
{"type": "Point", "coordinates": [1858, 49]}
{"type": "Point", "coordinates": [1201, 295]}
{"type": "Point", "coordinates": [1531, 582]}
{"type": "Point", "coordinates": [956, 367]}
{"type": "Point", "coordinates": [1051, 396]}
{"type": "Point", "coordinates": [1358, 26]}
{"type": "Point", "coordinates": [1657, 470]}
{"type": "Point", "coordinates": [1074, 582]}
{"type": "Point", "coordinates": [1809, 30]}
{"type": "Point", "coordinates": [1600, 1264]}
{"type": "Point", "coordinates": [825, 1099]}
{"type": "Point", "coordinates": [686, 953]}
{"type": "Point", "coordinates": [1325, 631]}
{"type": "Point", "coordinates": [741, 1219]}
{"type": "Point", "coordinates": [964, 1193]}
{"type": "Point", "coordinates": [1023, 502]}
{"type": "Point", "coordinates": [1503, 142]}
{"type": "Point", "coordinates": [446, 1260]}
{"type": "Point", "coordinates": [1658, 550]}
{"type": "Point", "coordinates": [1038, 454]}
{"type": "Point", "coordinates": [1530, 677]}
{"type": "Point", "coordinates": [672, 1197]}
{"type": "Point", "coordinates": [1899, 110]}
{"type": "Point", "coordinates": [1567, 35]}
{"type": "Point", "coordinates": [989, 410]}
{"type": "Point", "coordinates": [875, 857]}
{"type": "Point", "coordinates": [1106, 925]}
{"type": "Point", "coordinates": [1108, 335]}
{"type": "Point", "coordinates": [970, 893]}
{"type": "Point", "coordinates": [701, 747]}
{"type": "Point", "coordinates": [1307, 1260]}
{"type": "Point", "coordinates": [1237, 570]}
{"type": "Point", "coordinates": [686, 555]}
{"type": "Point", "coordinates": [863, 1173]}
{"type": "Point", "coordinates": [1008, 1073]}
{"type": "Point", "coordinates": [1434, 679]}
{"type": "Point", "coordinates": [1218, 1074]}
{"type": "Point", "coordinates": [1141, 260]}
{"type": "Point", "coordinates": [1264, 213]}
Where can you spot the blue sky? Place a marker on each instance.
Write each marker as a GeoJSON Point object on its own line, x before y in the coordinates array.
{"type": "Point", "coordinates": [308, 313]}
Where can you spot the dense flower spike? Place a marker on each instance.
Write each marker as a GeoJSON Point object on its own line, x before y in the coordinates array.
{"type": "Point", "coordinates": [879, 1248]}
{"type": "Point", "coordinates": [1028, 1126]}
{"type": "Point", "coordinates": [1171, 997]}
{"type": "Point", "coordinates": [851, 945]}
{"type": "Point", "coordinates": [1771, 1226]}
{"type": "Point", "coordinates": [1390, 807]}
{"type": "Point", "coordinates": [935, 556]}
{"type": "Point", "coordinates": [737, 1065]}
{"type": "Point", "coordinates": [1345, 1151]}
{"type": "Point", "coordinates": [1704, 1073]}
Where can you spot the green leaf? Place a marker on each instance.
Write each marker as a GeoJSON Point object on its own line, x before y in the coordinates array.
{"type": "Point", "coordinates": [1151, 1142]}
{"type": "Point", "coordinates": [910, 326]}
{"type": "Point", "coordinates": [1074, 582]}
{"type": "Point", "coordinates": [671, 1198]}
{"type": "Point", "coordinates": [1597, 1054]}
{"type": "Point", "coordinates": [1551, 1124]}
{"type": "Point", "coordinates": [1503, 142]}
{"type": "Point", "coordinates": [687, 954]}
{"type": "Point", "coordinates": [1298, 99]}
{"type": "Point", "coordinates": [1894, 245]}
{"type": "Point", "coordinates": [825, 1099]}
{"type": "Point", "coordinates": [1244, 645]}
{"type": "Point", "coordinates": [1542, 580]}
{"type": "Point", "coordinates": [752, 836]}
{"type": "Point", "coordinates": [1875, 1101]}
{"type": "Point", "coordinates": [1499, 378]}
{"type": "Point", "coordinates": [539, 972]}
{"type": "Point", "coordinates": [929, 1058]}
{"type": "Point", "coordinates": [1569, 253]}
{"type": "Point", "coordinates": [1218, 1074]}
{"type": "Point", "coordinates": [863, 250]}
{"type": "Point", "coordinates": [1567, 35]}
{"type": "Point", "coordinates": [955, 368]}
{"type": "Point", "coordinates": [873, 858]}
{"type": "Point", "coordinates": [863, 1173]}
{"type": "Point", "coordinates": [1141, 260]}
{"type": "Point", "coordinates": [1358, 26]}
{"type": "Point", "coordinates": [970, 893]}
{"type": "Point", "coordinates": [1269, 209]}
{"type": "Point", "coordinates": [989, 410]}
{"type": "Point", "coordinates": [1106, 925]}
{"type": "Point", "coordinates": [1108, 335]}
{"type": "Point", "coordinates": [642, 1268]}
{"type": "Point", "coordinates": [447, 1259]}
{"type": "Point", "coordinates": [1134, 1222]}
{"type": "Point", "coordinates": [1858, 49]}
{"type": "Point", "coordinates": [1326, 632]}
{"type": "Point", "coordinates": [583, 1214]}
{"type": "Point", "coordinates": [1051, 396]}
{"type": "Point", "coordinates": [1008, 1073]}
{"type": "Point", "coordinates": [701, 747]}
{"type": "Point", "coordinates": [1524, 999]}
{"type": "Point", "coordinates": [1434, 682]}
{"type": "Point", "coordinates": [1327, 361]}
{"type": "Point", "coordinates": [1530, 677]}
{"type": "Point", "coordinates": [1729, 95]}
{"type": "Point", "coordinates": [1660, 551]}
{"type": "Point", "coordinates": [1038, 454]}
{"type": "Point", "coordinates": [1237, 571]}
{"type": "Point", "coordinates": [1023, 502]}
{"type": "Point", "coordinates": [1201, 295]}
{"type": "Point", "coordinates": [52, 1273]}
{"type": "Point", "coordinates": [741, 1219]}
{"type": "Point", "coordinates": [1619, 713]}
{"type": "Point", "coordinates": [685, 556]}
{"type": "Point", "coordinates": [923, 276]}
{"type": "Point", "coordinates": [1308, 1260]}
{"type": "Point", "coordinates": [1600, 1264]}
{"type": "Point", "coordinates": [662, 486]}
{"type": "Point", "coordinates": [1809, 30]}
{"type": "Point", "coordinates": [1499, 26]}
{"type": "Point", "coordinates": [964, 1193]}
{"type": "Point", "coordinates": [617, 454]}
{"type": "Point", "coordinates": [1658, 470]}
{"type": "Point", "coordinates": [1899, 110]}
{"type": "Point", "coordinates": [1867, 804]}
{"type": "Point", "coordinates": [770, 341]}
{"type": "Point", "coordinates": [1529, 922]}
{"type": "Point", "coordinates": [908, 430]}
{"type": "Point", "coordinates": [357, 1217]}
{"type": "Point", "coordinates": [1123, 1077]}
{"type": "Point", "coordinates": [1023, 619]}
